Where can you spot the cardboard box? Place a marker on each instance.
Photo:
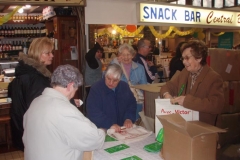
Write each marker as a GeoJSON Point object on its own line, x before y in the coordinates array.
{"type": "Point", "coordinates": [230, 122]}
{"type": "Point", "coordinates": [184, 140]}
{"type": "Point", "coordinates": [226, 63]}
{"type": "Point", "coordinates": [226, 91]}
{"type": "Point", "coordinates": [151, 92]}
{"type": "Point", "coordinates": [234, 100]}
{"type": "Point", "coordinates": [164, 107]}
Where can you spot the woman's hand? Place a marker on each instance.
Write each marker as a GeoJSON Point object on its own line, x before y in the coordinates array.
{"type": "Point", "coordinates": [128, 123]}
{"type": "Point", "coordinates": [178, 100]}
{"type": "Point", "coordinates": [116, 127]}
{"type": "Point", "coordinates": [167, 96]}
{"type": "Point", "coordinates": [78, 102]}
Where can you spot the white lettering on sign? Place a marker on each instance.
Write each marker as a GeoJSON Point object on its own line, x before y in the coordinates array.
{"type": "Point", "coordinates": [171, 13]}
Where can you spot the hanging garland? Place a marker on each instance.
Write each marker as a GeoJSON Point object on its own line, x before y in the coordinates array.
{"type": "Point", "coordinates": [125, 33]}
{"type": "Point", "coordinates": [8, 16]}
{"type": "Point", "coordinates": [104, 32]}
{"type": "Point", "coordinates": [158, 35]}
{"type": "Point", "coordinates": [219, 34]}
{"type": "Point", "coordinates": [184, 33]}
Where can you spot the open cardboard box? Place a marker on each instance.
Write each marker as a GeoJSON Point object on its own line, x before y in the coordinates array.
{"type": "Point", "coordinates": [188, 140]}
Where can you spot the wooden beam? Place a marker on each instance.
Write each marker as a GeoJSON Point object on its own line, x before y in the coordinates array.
{"type": "Point", "coordinates": [5, 8]}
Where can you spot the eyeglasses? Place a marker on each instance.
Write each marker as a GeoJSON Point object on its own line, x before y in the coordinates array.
{"type": "Point", "coordinates": [185, 58]}
{"type": "Point", "coordinates": [48, 53]}
{"type": "Point", "coordinates": [147, 46]}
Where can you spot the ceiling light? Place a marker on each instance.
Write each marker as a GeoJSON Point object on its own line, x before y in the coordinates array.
{"type": "Point", "coordinates": [20, 10]}
{"type": "Point", "coordinates": [114, 32]}
{"type": "Point", "coordinates": [28, 6]}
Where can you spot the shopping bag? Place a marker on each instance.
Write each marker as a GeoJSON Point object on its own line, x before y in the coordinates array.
{"type": "Point", "coordinates": [164, 107]}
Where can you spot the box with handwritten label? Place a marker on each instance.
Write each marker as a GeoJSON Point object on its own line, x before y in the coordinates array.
{"type": "Point", "coordinates": [164, 107]}
{"type": "Point", "coordinates": [225, 62]}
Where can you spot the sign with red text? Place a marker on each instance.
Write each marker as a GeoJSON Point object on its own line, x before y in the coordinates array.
{"type": "Point", "coordinates": [164, 107]}
{"type": "Point", "coordinates": [48, 12]}
{"type": "Point", "coordinates": [169, 13]}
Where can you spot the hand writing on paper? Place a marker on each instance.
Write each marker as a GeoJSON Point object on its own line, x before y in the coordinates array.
{"type": "Point", "coordinates": [167, 96]}
{"type": "Point", "coordinates": [116, 127]}
{"type": "Point", "coordinates": [178, 100]}
{"type": "Point", "coordinates": [128, 123]}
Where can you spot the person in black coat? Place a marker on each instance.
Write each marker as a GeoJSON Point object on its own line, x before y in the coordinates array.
{"type": "Point", "coordinates": [32, 77]}
{"type": "Point", "coordinates": [175, 63]}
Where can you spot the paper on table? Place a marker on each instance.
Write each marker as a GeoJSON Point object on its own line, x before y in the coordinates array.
{"type": "Point", "coordinates": [129, 135]}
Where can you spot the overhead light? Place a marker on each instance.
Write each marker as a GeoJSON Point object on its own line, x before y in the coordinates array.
{"type": "Point", "coordinates": [114, 32]}
{"type": "Point", "coordinates": [27, 6]}
{"type": "Point", "coordinates": [20, 10]}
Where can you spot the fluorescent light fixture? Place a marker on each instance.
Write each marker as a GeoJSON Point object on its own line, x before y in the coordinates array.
{"type": "Point", "coordinates": [28, 6]}
{"type": "Point", "coordinates": [20, 10]}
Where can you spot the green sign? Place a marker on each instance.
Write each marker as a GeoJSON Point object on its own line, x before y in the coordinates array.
{"type": "Point", "coordinates": [226, 40]}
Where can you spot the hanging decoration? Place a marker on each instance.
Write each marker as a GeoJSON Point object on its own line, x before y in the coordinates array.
{"type": "Point", "coordinates": [125, 33]}
{"type": "Point", "coordinates": [168, 34]}
{"type": "Point", "coordinates": [158, 35]}
{"type": "Point", "coordinates": [219, 34]}
{"type": "Point", "coordinates": [171, 29]}
{"type": "Point", "coordinates": [131, 28]}
{"type": "Point", "coordinates": [9, 16]}
{"type": "Point", "coordinates": [104, 32]}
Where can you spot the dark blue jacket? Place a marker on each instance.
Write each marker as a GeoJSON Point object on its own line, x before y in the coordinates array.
{"type": "Point", "coordinates": [149, 71]}
{"type": "Point", "coordinates": [106, 107]}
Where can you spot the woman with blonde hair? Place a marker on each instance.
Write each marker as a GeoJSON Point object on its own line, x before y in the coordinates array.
{"type": "Point", "coordinates": [32, 77]}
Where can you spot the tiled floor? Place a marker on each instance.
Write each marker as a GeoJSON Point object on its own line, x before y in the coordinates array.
{"type": "Point", "coordinates": [15, 155]}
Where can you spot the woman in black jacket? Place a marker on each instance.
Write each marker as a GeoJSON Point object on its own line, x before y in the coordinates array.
{"type": "Point", "coordinates": [175, 63]}
{"type": "Point", "coordinates": [32, 77]}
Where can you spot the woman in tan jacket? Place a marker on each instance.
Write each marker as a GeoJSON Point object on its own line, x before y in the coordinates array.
{"type": "Point", "coordinates": [197, 86]}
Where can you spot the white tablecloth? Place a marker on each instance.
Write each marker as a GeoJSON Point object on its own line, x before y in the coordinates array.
{"type": "Point", "coordinates": [135, 149]}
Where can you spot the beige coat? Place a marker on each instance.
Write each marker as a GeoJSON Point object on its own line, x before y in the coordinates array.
{"type": "Point", "coordinates": [206, 96]}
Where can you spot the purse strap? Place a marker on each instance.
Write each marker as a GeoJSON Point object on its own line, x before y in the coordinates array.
{"type": "Point", "coordinates": [124, 72]}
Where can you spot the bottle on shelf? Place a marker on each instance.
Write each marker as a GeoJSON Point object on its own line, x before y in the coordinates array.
{"type": "Point", "coordinates": [43, 31]}
{"type": "Point", "coordinates": [5, 31]}
{"type": "Point", "coordinates": [20, 45]}
{"type": "Point", "coordinates": [1, 31]}
{"type": "Point", "coordinates": [17, 46]}
{"type": "Point", "coordinates": [4, 46]}
{"type": "Point", "coordinates": [7, 48]}
{"type": "Point", "coordinates": [13, 46]}
{"type": "Point", "coordinates": [20, 32]}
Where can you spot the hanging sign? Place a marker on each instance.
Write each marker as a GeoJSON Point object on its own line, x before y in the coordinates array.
{"type": "Point", "coordinates": [226, 40]}
{"type": "Point", "coordinates": [48, 12]}
{"type": "Point", "coordinates": [162, 13]}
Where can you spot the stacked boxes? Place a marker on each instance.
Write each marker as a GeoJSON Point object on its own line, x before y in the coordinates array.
{"type": "Point", "coordinates": [227, 64]}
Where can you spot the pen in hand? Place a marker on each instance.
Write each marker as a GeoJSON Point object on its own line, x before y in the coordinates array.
{"type": "Point", "coordinates": [181, 91]}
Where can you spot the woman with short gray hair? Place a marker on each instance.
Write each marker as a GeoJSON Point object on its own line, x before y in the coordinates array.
{"type": "Point", "coordinates": [134, 73]}
{"type": "Point", "coordinates": [66, 74]}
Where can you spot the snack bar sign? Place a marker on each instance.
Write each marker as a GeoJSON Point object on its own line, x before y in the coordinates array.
{"type": "Point", "coordinates": [184, 15]}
